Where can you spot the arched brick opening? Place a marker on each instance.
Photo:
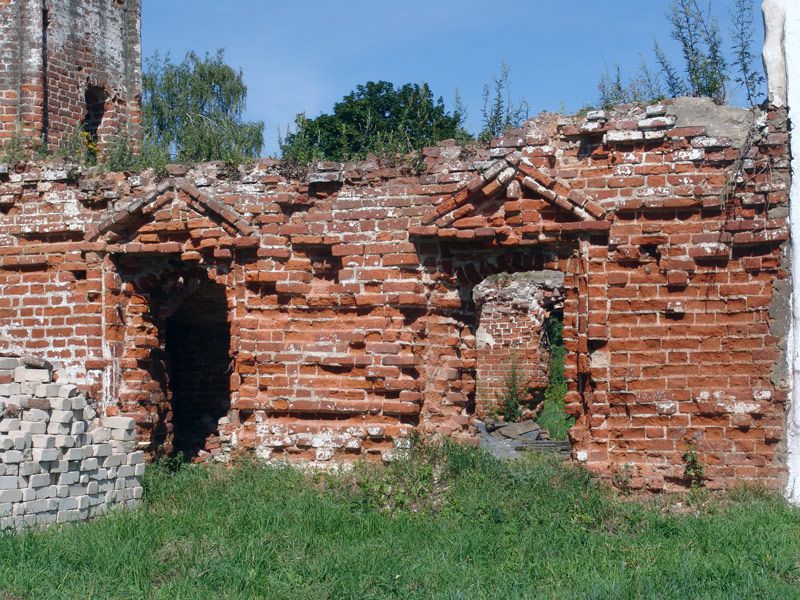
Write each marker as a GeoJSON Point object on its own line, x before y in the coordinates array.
{"type": "Point", "coordinates": [174, 348]}
{"type": "Point", "coordinates": [506, 297]}
{"type": "Point", "coordinates": [511, 341]}
{"type": "Point", "coordinates": [197, 345]}
{"type": "Point", "coordinates": [95, 98]}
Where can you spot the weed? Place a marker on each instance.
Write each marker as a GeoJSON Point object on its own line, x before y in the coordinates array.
{"type": "Point", "coordinates": [693, 470]}
{"type": "Point", "coordinates": [552, 416]}
{"type": "Point", "coordinates": [622, 477]}
{"type": "Point", "coordinates": [515, 392]}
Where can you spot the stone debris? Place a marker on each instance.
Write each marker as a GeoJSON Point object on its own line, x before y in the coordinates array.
{"type": "Point", "coordinates": [509, 440]}
{"type": "Point", "coordinates": [59, 460]}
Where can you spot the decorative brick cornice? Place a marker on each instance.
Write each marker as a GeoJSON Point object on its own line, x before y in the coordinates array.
{"type": "Point", "coordinates": [132, 213]}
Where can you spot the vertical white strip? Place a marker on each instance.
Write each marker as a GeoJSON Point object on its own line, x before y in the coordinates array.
{"type": "Point", "coordinates": [792, 49]}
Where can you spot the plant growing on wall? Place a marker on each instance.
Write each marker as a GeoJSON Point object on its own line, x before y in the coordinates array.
{"type": "Point", "coordinates": [706, 67]}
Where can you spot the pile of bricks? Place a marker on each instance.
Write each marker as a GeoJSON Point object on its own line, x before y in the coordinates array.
{"type": "Point", "coordinates": [59, 460]}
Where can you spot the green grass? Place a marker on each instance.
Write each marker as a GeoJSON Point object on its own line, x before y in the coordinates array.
{"type": "Point", "coordinates": [448, 523]}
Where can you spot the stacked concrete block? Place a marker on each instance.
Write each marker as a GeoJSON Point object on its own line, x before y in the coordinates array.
{"type": "Point", "coordinates": [59, 460]}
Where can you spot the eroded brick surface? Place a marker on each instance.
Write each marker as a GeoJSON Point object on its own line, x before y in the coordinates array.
{"type": "Point", "coordinates": [64, 65]}
{"type": "Point", "coordinates": [349, 296]}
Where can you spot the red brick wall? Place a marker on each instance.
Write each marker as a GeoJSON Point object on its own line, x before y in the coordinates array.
{"type": "Point", "coordinates": [350, 296]}
{"type": "Point", "coordinates": [52, 52]}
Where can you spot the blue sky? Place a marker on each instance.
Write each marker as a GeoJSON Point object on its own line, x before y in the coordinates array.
{"type": "Point", "coordinates": [304, 55]}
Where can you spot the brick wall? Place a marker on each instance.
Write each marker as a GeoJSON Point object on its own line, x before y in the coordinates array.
{"type": "Point", "coordinates": [511, 310]}
{"type": "Point", "coordinates": [53, 53]}
{"type": "Point", "coordinates": [351, 294]}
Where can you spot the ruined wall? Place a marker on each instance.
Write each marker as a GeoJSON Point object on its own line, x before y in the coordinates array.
{"type": "Point", "coordinates": [349, 295]}
{"type": "Point", "coordinates": [64, 63]}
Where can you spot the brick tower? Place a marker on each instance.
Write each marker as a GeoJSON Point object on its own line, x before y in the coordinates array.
{"type": "Point", "coordinates": [67, 65]}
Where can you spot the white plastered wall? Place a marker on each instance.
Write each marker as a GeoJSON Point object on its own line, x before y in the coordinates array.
{"type": "Point", "coordinates": [782, 62]}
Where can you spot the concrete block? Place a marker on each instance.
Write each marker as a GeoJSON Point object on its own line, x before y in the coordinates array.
{"type": "Point", "coordinates": [68, 391]}
{"type": "Point", "coordinates": [13, 456]}
{"type": "Point", "coordinates": [60, 403]}
{"type": "Point", "coordinates": [10, 496]}
{"type": "Point", "coordinates": [76, 453]}
{"type": "Point", "coordinates": [35, 415]}
{"type": "Point", "coordinates": [45, 454]}
{"type": "Point", "coordinates": [43, 441]}
{"type": "Point", "coordinates": [33, 427]}
{"type": "Point", "coordinates": [61, 416]}
{"type": "Point", "coordinates": [40, 480]}
{"type": "Point", "coordinates": [47, 491]}
{"type": "Point", "coordinates": [29, 468]}
{"type": "Point", "coordinates": [9, 389]}
{"type": "Point", "coordinates": [9, 482]}
{"type": "Point", "coordinates": [59, 428]}
{"type": "Point", "coordinates": [64, 441]}
{"type": "Point", "coordinates": [27, 374]}
{"type": "Point", "coordinates": [100, 450]}
{"type": "Point", "coordinates": [89, 464]}
{"type": "Point", "coordinates": [119, 423]}
{"type": "Point", "coordinates": [7, 425]}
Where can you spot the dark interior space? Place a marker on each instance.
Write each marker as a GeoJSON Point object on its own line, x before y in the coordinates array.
{"type": "Point", "coordinates": [95, 110]}
{"type": "Point", "coordinates": [198, 352]}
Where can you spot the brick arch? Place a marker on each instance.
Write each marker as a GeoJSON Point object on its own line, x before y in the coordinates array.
{"type": "Point", "coordinates": [148, 291]}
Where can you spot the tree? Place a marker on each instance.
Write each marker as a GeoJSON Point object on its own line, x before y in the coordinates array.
{"type": "Point", "coordinates": [698, 34]}
{"type": "Point", "coordinates": [499, 112]}
{"type": "Point", "coordinates": [375, 118]}
{"type": "Point", "coordinates": [750, 79]}
{"type": "Point", "coordinates": [706, 67]}
{"type": "Point", "coordinates": [193, 110]}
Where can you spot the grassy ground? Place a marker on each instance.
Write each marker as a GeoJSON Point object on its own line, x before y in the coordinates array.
{"type": "Point", "coordinates": [450, 523]}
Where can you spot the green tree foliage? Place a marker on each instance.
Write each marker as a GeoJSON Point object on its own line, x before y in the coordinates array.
{"type": "Point", "coordinates": [499, 112]}
{"type": "Point", "coordinates": [552, 416]}
{"type": "Point", "coordinates": [750, 79]}
{"type": "Point", "coordinates": [375, 118]}
{"type": "Point", "coordinates": [192, 110]}
{"type": "Point", "coordinates": [706, 66]}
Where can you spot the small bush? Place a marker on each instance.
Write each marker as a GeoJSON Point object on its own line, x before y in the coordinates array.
{"type": "Point", "coordinates": [515, 392]}
{"type": "Point", "coordinates": [693, 471]}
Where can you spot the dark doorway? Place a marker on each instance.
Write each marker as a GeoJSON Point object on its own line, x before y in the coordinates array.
{"type": "Point", "coordinates": [198, 353]}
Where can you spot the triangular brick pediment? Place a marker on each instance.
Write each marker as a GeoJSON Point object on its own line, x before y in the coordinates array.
{"type": "Point", "coordinates": [175, 205]}
{"type": "Point", "coordinates": [512, 199]}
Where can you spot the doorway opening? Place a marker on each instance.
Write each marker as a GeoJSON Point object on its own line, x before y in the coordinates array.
{"type": "Point", "coordinates": [197, 346]}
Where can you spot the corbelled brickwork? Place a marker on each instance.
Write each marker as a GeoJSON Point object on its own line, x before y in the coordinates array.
{"type": "Point", "coordinates": [340, 311]}
{"type": "Point", "coordinates": [59, 461]}
{"type": "Point", "coordinates": [66, 66]}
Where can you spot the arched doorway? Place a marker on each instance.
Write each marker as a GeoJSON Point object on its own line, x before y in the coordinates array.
{"type": "Point", "coordinates": [197, 347]}
{"type": "Point", "coordinates": [174, 348]}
